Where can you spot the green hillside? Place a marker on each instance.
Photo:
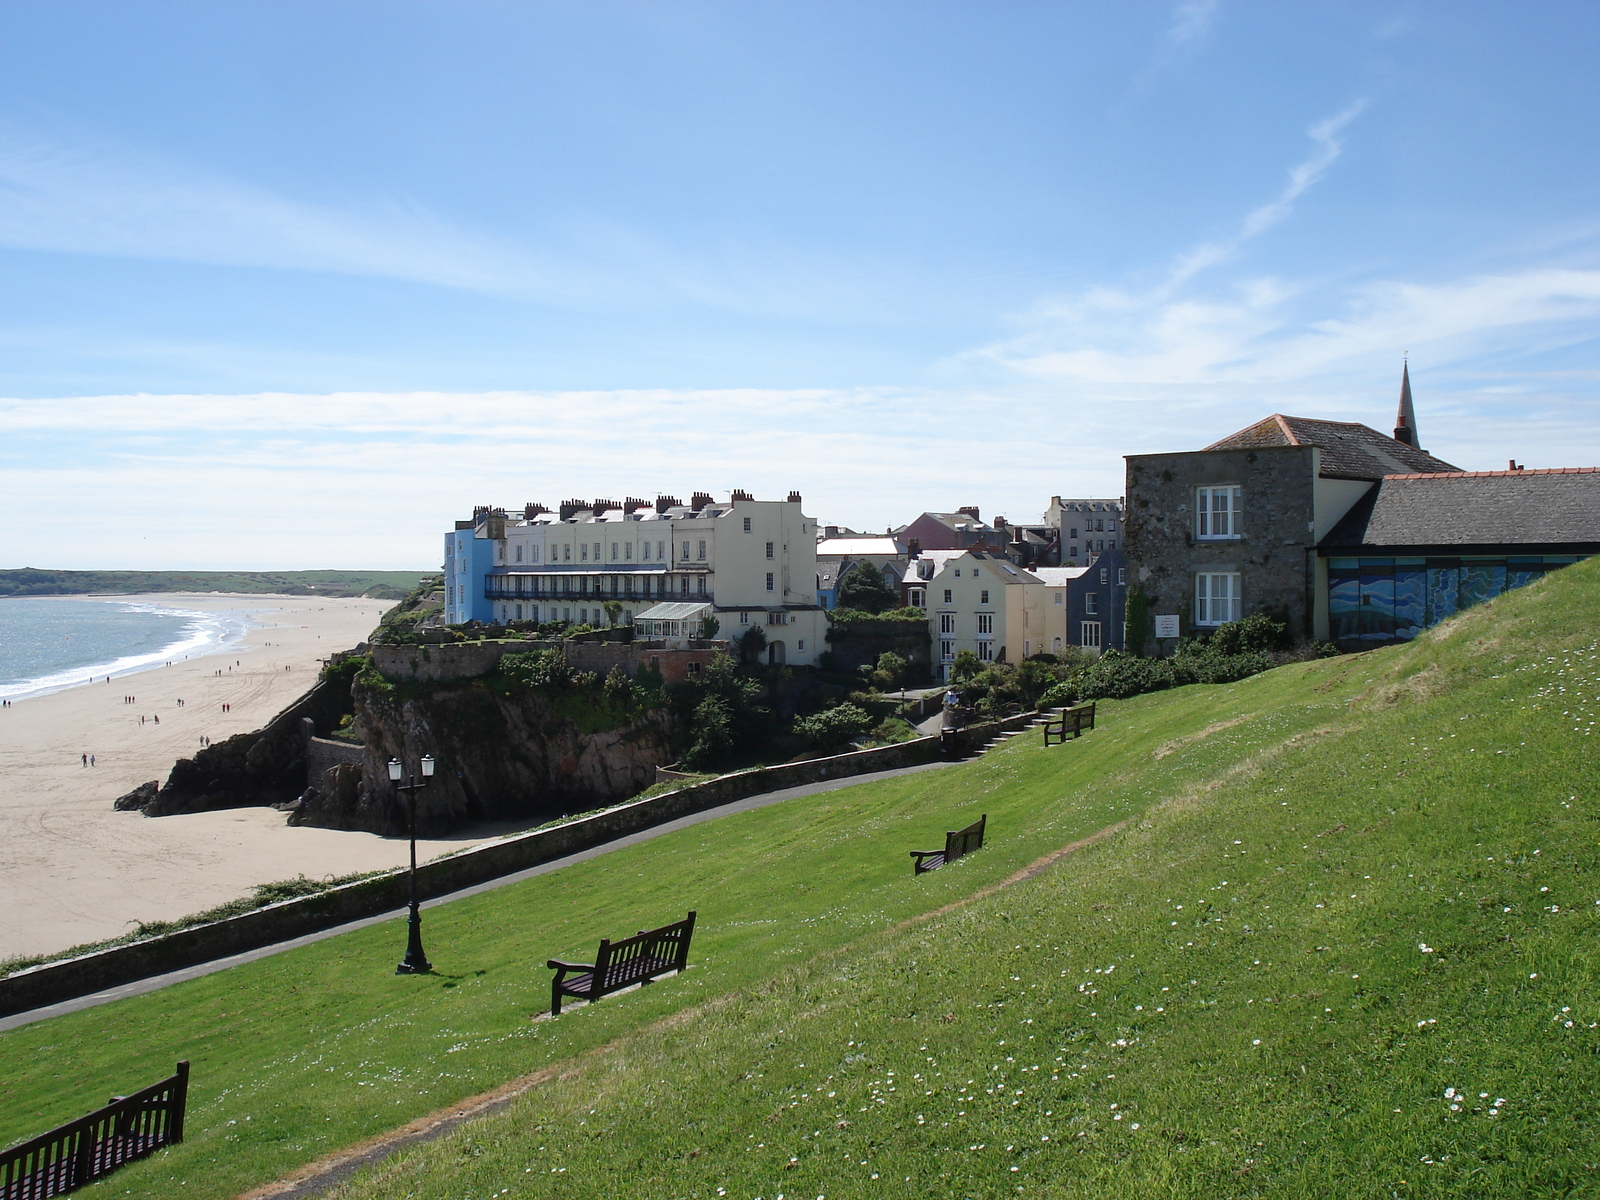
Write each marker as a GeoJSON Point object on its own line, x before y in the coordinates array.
{"type": "Point", "coordinates": [380, 585]}
{"type": "Point", "coordinates": [1338, 941]}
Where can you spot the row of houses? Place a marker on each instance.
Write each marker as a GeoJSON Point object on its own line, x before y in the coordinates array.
{"type": "Point", "coordinates": [1344, 533]}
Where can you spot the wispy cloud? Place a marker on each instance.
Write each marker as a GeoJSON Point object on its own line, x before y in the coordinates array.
{"type": "Point", "coordinates": [1329, 145]}
{"type": "Point", "coordinates": [79, 196]}
{"type": "Point", "coordinates": [1186, 33]}
{"type": "Point", "coordinates": [95, 200]}
{"type": "Point", "coordinates": [1191, 21]}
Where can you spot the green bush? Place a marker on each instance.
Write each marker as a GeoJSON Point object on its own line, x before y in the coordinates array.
{"type": "Point", "coordinates": [1257, 632]}
{"type": "Point", "coordinates": [834, 727]}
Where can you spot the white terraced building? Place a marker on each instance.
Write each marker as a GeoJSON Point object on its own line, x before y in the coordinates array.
{"type": "Point", "coordinates": [751, 563]}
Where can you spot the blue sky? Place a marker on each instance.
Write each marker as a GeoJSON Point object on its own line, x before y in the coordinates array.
{"type": "Point", "coordinates": [296, 284]}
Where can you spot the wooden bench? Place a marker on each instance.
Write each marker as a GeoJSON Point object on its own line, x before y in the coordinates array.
{"type": "Point", "coordinates": [617, 965]}
{"type": "Point", "coordinates": [1069, 722]}
{"type": "Point", "coordinates": [962, 841]}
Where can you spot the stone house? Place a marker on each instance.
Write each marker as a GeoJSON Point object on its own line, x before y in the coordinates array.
{"type": "Point", "coordinates": [1213, 535]}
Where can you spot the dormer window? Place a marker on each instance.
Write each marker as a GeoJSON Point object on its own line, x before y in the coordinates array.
{"type": "Point", "coordinates": [1217, 512]}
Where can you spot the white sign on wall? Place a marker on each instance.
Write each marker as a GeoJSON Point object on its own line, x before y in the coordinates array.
{"type": "Point", "coordinates": [1167, 625]}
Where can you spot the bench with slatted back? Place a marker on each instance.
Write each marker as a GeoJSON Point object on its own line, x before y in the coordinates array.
{"type": "Point", "coordinates": [962, 841]}
{"type": "Point", "coordinates": [618, 965]}
{"type": "Point", "coordinates": [1069, 722]}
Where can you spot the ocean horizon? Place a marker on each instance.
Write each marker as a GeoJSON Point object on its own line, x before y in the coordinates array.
{"type": "Point", "coordinates": [50, 644]}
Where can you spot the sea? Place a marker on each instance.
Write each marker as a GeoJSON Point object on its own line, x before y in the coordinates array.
{"type": "Point", "coordinates": [50, 644]}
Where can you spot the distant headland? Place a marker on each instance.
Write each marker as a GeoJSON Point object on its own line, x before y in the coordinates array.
{"type": "Point", "coordinates": [378, 585]}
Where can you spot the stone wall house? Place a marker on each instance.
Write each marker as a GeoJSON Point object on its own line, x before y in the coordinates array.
{"type": "Point", "coordinates": [1214, 535]}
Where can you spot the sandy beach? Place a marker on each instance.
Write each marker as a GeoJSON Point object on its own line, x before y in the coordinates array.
{"type": "Point", "coordinates": [72, 870]}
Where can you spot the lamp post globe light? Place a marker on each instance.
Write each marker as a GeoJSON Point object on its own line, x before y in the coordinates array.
{"type": "Point", "coordinates": [415, 961]}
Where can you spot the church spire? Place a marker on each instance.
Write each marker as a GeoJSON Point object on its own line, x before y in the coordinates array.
{"type": "Point", "coordinates": [1405, 422]}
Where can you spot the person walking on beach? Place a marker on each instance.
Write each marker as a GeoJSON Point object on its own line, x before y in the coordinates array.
{"type": "Point", "coordinates": [91, 760]}
{"type": "Point", "coordinates": [86, 758]}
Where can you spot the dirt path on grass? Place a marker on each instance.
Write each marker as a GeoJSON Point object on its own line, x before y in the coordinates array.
{"type": "Point", "coordinates": [329, 1171]}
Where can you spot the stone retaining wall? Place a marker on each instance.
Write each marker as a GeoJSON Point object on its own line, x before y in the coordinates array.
{"type": "Point", "coordinates": [55, 982]}
{"type": "Point", "coordinates": [323, 754]}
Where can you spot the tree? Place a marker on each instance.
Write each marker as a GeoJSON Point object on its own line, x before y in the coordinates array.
{"type": "Point", "coordinates": [709, 626]}
{"type": "Point", "coordinates": [613, 611]}
{"type": "Point", "coordinates": [752, 643]}
{"type": "Point", "coordinates": [966, 665]}
{"type": "Point", "coordinates": [863, 587]}
{"type": "Point", "coordinates": [891, 670]}
{"type": "Point", "coordinates": [712, 733]}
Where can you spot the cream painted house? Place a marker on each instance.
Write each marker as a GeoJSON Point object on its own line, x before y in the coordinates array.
{"type": "Point", "coordinates": [753, 562]}
{"type": "Point", "coordinates": [1001, 612]}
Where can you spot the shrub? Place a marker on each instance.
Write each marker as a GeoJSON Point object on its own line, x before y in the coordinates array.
{"type": "Point", "coordinates": [1257, 632]}
{"type": "Point", "coordinates": [834, 727]}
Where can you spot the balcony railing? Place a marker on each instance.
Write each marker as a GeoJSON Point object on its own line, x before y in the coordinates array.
{"type": "Point", "coordinates": [503, 588]}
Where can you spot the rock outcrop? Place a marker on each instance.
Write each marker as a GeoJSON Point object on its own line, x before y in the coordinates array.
{"type": "Point", "coordinates": [264, 767]}
{"type": "Point", "coordinates": [501, 754]}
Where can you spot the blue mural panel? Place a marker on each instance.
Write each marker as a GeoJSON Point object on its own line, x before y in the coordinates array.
{"type": "Point", "coordinates": [1481, 581]}
{"type": "Point", "coordinates": [1376, 619]}
{"type": "Point", "coordinates": [1444, 592]}
{"type": "Point", "coordinates": [1410, 600]}
{"type": "Point", "coordinates": [1344, 599]}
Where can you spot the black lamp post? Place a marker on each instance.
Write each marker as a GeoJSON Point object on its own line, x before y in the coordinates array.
{"type": "Point", "coordinates": [415, 961]}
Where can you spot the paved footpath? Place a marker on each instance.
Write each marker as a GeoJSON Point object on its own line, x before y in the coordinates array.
{"type": "Point", "coordinates": [156, 982]}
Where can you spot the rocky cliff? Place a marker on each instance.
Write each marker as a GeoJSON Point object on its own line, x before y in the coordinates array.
{"type": "Point", "coordinates": [264, 767]}
{"type": "Point", "coordinates": [507, 749]}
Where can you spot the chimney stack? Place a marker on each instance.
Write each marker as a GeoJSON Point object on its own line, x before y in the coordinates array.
{"type": "Point", "coordinates": [794, 498]}
{"type": "Point", "coordinates": [530, 511]}
{"type": "Point", "coordinates": [570, 508]}
{"type": "Point", "coordinates": [972, 511]}
{"type": "Point", "coordinates": [740, 494]}
{"type": "Point", "coordinates": [699, 500]}
{"type": "Point", "coordinates": [665, 502]}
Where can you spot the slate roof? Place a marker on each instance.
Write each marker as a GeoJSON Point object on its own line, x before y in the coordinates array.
{"type": "Point", "coordinates": [1467, 511]}
{"type": "Point", "coordinates": [1350, 450]}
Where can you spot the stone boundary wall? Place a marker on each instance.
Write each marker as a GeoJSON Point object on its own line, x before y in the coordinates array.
{"type": "Point", "coordinates": [322, 754]}
{"type": "Point", "coordinates": [436, 664]}
{"type": "Point", "coordinates": [52, 983]}
{"type": "Point", "coordinates": [600, 657]}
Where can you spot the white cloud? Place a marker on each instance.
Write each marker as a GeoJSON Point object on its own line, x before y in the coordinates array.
{"type": "Point", "coordinates": [1301, 176]}
{"type": "Point", "coordinates": [101, 201]}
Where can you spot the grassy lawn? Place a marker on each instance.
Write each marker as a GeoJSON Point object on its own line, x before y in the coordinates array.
{"type": "Point", "coordinates": [1322, 930]}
